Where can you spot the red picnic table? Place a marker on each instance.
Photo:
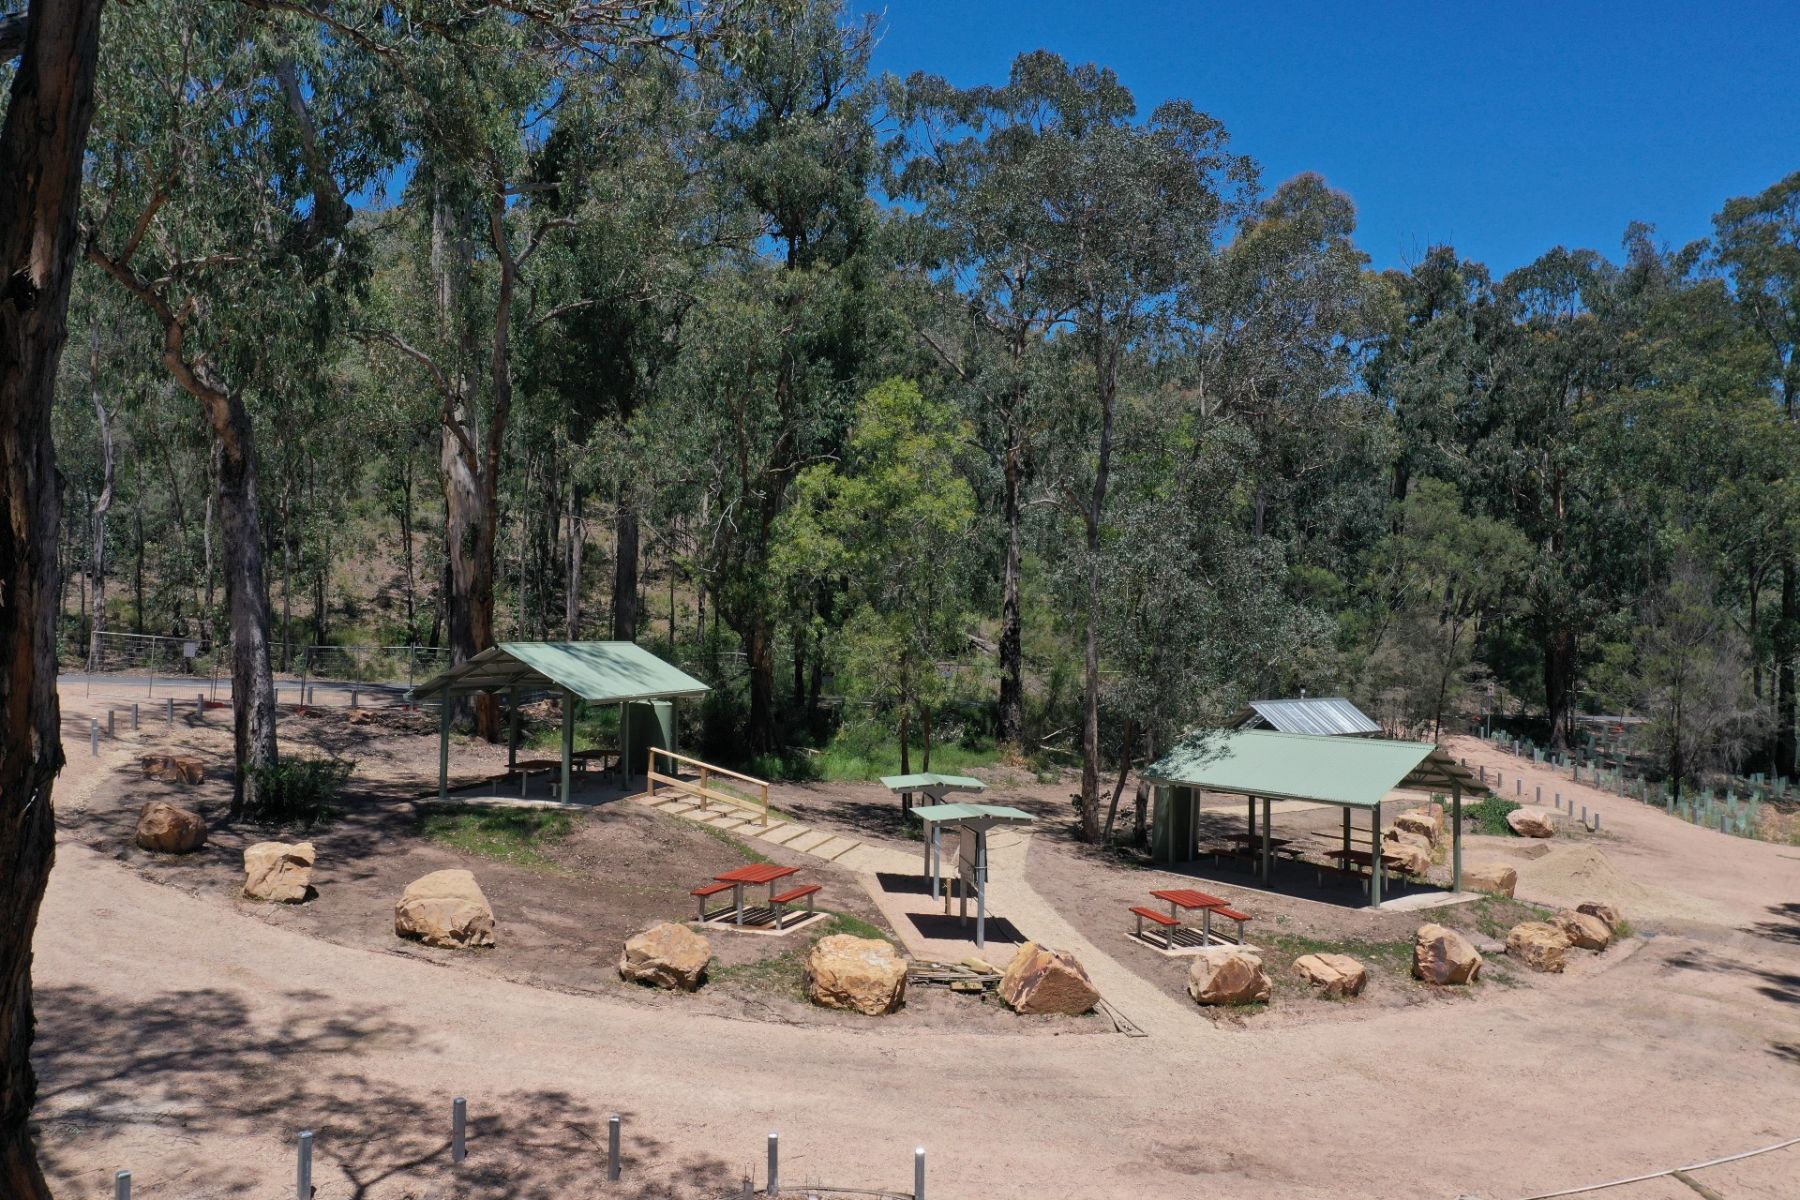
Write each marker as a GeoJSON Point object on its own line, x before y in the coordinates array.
{"type": "Point", "coordinates": [755, 874]}
{"type": "Point", "coordinates": [1182, 899]}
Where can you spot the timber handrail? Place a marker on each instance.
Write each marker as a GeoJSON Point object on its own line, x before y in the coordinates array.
{"type": "Point", "coordinates": [703, 790]}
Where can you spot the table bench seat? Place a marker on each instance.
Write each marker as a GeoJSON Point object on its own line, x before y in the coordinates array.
{"type": "Point", "coordinates": [701, 894]}
{"type": "Point", "coordinates": [805, 891]}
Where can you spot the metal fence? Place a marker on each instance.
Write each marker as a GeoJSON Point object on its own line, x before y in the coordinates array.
{"type": "Point", "coordinates": [145, 654]}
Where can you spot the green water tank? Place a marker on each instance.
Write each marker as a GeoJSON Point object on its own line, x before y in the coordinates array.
{"type": "Point", "coordinates": [647, 723]}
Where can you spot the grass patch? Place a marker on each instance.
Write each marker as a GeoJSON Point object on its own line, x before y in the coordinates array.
{"type": "Point", "coordinates": [510, 835]}
{"type": "Point", "coordinates": [1489, 815]}
{"type": "Point", "coordinates": [784, 974]}
{"type": "Point", "coordinates": [1392, 956]}
{"type": "Point", "coordinates": [723, 837]}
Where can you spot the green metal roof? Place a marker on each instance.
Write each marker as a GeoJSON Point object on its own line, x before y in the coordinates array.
{"type": "Point", "coordinates": [997, 813]}
{"type": "Point", "coordinates": [598, 671]}
{"type": "Point", "coordinates": [1299, 766]}
{"type": "Point", "coordinates": [913, 783]}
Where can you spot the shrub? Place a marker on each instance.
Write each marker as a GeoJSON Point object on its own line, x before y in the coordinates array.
{"type": "Point", "coordinates": [297, 791]}
{"type": "Point", "coordinates": [1489, 815]}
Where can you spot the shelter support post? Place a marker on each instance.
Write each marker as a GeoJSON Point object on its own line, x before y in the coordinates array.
{"type": "Point", "coordinates": [444, 747]}
{"type": "Point", "coordinates": [625, 748]}
{"type": "Point", "coordinates": [1346, 862]}
{"type": "Point", "coordinates": [512, 733]}
{"type": "Point", "coordinates": [568, 743]}
{"type": "Point", "coordinates": [981, 864]}
{"type": "Point", "coordinates": [1268, 846]}
{"type": "Point", "coordinates": [1250, 805]}
{"type": "Point", "coordinates": [1456, 835]}
{"type": "Point", "coordinates": [1375, 856]}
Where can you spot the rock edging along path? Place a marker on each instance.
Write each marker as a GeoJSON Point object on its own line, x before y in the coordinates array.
{"type": "Point", "coordinates": [1009, 896]}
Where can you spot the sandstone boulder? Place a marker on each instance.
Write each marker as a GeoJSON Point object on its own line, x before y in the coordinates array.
{"type": "Point", "coordinates": [1337, 975]}
{"type": "Point", "coordinates": [1444, 956]}
{"type": "Point", "coordinates": [359, 716]}
{"type": "Point", "coordinates": [171, 769]}
{"type": "Point", "coordinates": [1539, 945]}
{"type": "Point", "coordinates": [864, 974]}
{"type": "Point", "coordinates": [1530, 823]}
{"type": "Point", "coordinates": [1042, 980]}
{"type": "Point", "coordinates": [445, 908]}
{"type": "Point", "coordinates": [1228, 975]}
{"type": "Point", "coordinates": [1603, 910]}
{"type": "Point", "coordinates": [279, 871]}
{"type": "Point", "coordinates": [1497, 878]}
{"type": "Point", "coordinates": [166, 829]}
{"type": "Point", "coordinates": [1422, 823]}
{"type": "Point", "coordinates": [1395, 836]}
{"type": "Point", "coordinates": [1414, 860]}
{"type": "Point", "coordinates": [1585, 931]}
{"type": "Point", "coordinates": [667, 956]}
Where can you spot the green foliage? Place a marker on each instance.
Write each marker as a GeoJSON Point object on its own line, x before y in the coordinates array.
{"type": "Point", "coordinates": [864, 751]}
{"type": "Point", "coordinates": [1489, 815]}
{"type": "Point", "coordinates": [518, 836]}
{"type": "Point", "coordinates": [297, 790]}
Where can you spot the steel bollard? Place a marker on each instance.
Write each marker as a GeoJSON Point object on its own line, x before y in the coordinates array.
{"type": "Point", "coordinates": [459, 1129]}
{"type": "Point", "coordinates": [122, 1186]}
{"type": "Point", "coordinates": [919, 1174]}
{"type": "Point", "coordinates": [1596, 822]}
{"type": "Point", "coordinates": [134, 715]}
{"type": "Point", "coordinates": [612, 1147]}
{"type": "Point", "coordinates": [352, 697]}
{"type": "Point", "coordinates": [93, 736]}
{"type": "Point", "coordinates": [774, 1185]}
{"type": "Point", "coordinates": [303, 1188]}
{"type": "Point", "coordinates": [171, 703]}
{"type": "Point", "coordinates": [1584, 816]}
{"type": "Point", "coordinates": [200, 705]}
{"type": "Point", "coordinates": [110, 729]}
{"type": "Point", "coordinates": [1540, 794]}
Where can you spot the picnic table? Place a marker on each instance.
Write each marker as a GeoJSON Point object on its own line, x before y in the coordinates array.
{"type": "Point", "coordinates": [756, 874]}
{"type": "Point", "coordinates": [1364, 860]}
{"type": "Point", "coordinates": [1186, 899]}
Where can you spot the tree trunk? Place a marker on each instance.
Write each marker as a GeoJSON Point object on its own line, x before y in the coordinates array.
{"type": "Point", "coordinates": [1105, 367]}
{"type": "Point", "coordinates": [41, 147]}
{"type": "Point", "coordinates": [246, 594]}
{"type": "Point", "coordinates": [572, 571]}
{"type": "Point", "coordinates": [469, 561]}
{"type": "Point", "coordinates": [1559, 694]}
{"type": "Point", "coordinates": [1012, 653]}
{"type": "Point", "coordinates": [102, 504]}
{"type": "Point", "coordinates": [759, 649]}
{"type": "Point", "coordinates": [905, 731]}
{"type": "Point", "coordinates": [625, 574]}
{"type": "Point", "coordinates": [1787, 628]}
{"type": "Point", "coordinates": [1130, 747]}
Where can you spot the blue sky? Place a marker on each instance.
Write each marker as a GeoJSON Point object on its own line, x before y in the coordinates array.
{"type": "Point", "coordinates": [1502, 129]}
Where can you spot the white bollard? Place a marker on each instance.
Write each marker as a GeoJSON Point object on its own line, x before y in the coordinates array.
{"type": "Point", "coordinates": [919, 1174]}
{"type": "Point", "coordinates": [122, 1186]}
{"type": "Point", "coordinates": [773, 1188]}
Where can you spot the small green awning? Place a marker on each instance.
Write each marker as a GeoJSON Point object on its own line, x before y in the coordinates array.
{"type": "Point", "coordinates": [604, 672]}
{"type": "Point", "coordinates": [1295, 766]}
{"type": "Point", "coordinates": [919, 782]}
{"type": "Point", "coordinates": [996, 814]}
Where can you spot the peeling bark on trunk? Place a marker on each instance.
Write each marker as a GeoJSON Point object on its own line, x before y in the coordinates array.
{"type": "Point", "coordinates": [41, 146]}
{"type": "Point", "coordinates": [625, 573]}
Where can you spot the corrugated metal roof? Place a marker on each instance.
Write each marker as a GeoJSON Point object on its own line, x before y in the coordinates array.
{"type": "Point", "coordinates": [605, 672]}
{"type": "Point", "coordinates": [999, 814]}
{"type": "Point", "coordinates": [1297, 766]}
{"type": "Point", "coordinates": [1333, 716]}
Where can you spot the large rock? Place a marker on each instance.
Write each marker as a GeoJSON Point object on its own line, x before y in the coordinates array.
{"type": "Point", "coordinates": [1603, 910]}
{"type": "Point", "coordinates": [1585, 931]}
{"type": "Point", "coordinates": [666, 956]}
{"type": "Point", "coordinates": [1539, 945]}
{"type": "Point", "coordinates": [445, 908]}
{"type": "Point", "coordinates": [1422, 823]}
{"type": "Point", "coordinates": [864, 974]}
{"type": "Point", "coordinates": [170, 830]}
{"type": "Point", "coordinates": [1530, 823]}
{"type": "Point", "coordinates": [1339, 975]}
{"type": "Point", "coordinates": [1042, 980]}
{"type": "Point", "coordinates": [1497, 878]}
{"type": "Point", "coordinates": [1227, 975]}
{"type": "Point", "coordinates": [171, 769]}
{"type": "Point", "coordinates": [1413, 860]}
{"type": "Point", "coordinates": [1444, 956]}
{"type": "Point", "coordinates": [279, 871]}
{"type": "Point", "coordinates": [1395, 836]}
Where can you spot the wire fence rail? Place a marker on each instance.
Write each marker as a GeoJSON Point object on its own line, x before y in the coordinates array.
{"type": "Point", "coordinates": [145, 654]}
{"type": "Point", "coordinates": [614, 1166]}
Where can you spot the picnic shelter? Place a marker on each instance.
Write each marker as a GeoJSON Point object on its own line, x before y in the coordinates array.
{"type": "Point", "coordinates": [1350, 773]}
{"type": "Point", "coordinates": [622, 673]}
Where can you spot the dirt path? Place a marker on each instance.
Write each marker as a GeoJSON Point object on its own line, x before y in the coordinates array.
{"type": "Point", "coordinates": [190, 1045]}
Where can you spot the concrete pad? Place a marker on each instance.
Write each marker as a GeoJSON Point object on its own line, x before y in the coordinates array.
{"type": "Point", "coordinates": [863, 858]}
{"type": "Point", "coordinates": [787, 833]}
{"type": "Point", "coordinates": [725, 822]}
{"type": "Point", "coordinates": [829, 851]}
{"type": "Point", "coordinates": [771, 827]}
{"type": "Point", "coordinates": [808, 841]}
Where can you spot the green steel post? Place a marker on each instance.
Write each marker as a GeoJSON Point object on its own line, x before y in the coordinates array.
{"type": "Point", "coordinates": [568, 747]}
{"type": "Point", "coordinates": [1268, 847]}
{"type": "Point", "coordinates": [1251, 802]}
{"type": "Point", "coordinates": [1375, 856]}
{"type": "Point", "coordinates": [444, 746]}
{"type": "Point", "coordinates": [1346, 837]}
{"type": "Point", "coordinates": [1456, 835]}
{"type": "Point", "coordinates": [512, 737]}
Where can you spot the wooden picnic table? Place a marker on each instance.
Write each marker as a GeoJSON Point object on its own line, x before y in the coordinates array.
{"type": "Point", "coordinates": [1180, 899]}
{"type": "Point", "coordinates": [1365, 859]}
{"type": "Point", "coordinates": [1255, 839]}
{"type": "Point", "coordinates": [753, 875]}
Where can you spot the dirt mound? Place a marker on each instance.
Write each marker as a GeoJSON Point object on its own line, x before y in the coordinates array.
{"type": "Point", "coordinates": [1569, 874]}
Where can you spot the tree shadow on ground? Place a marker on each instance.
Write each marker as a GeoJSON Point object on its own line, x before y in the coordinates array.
{"type": "Point", "coordinates": [1785, 927]}
{"type": "Point", "coordinates": [198, 1083]}
{"type": "Point", "coordinates": [1781, 986]}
